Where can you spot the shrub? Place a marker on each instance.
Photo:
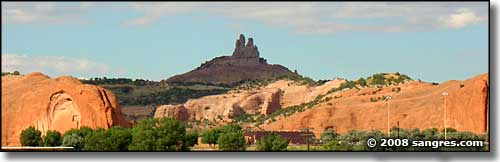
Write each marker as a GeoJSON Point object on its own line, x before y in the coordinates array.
{"type": "Point", "coordinates": [212, 136]}
{"type": "Point", "coordinates": [329, 135]}
{"type": "Point", "coordinates": [113, 139]}
{"type": "Point", "coordinates": [76, 137]}
{"type": "Point", "coordinates": [273, 142]}
{"type": "Point", "coordinates": [52, 138]}
{"type": "Point", "coordinates": [191, 139]}
{"type": "Point", "coordinates": [338, 145]}
{"type": "Point", "coordinates": [232, 141]}
{"type": "Point", "coordinates": [73, 140]}
{"type": "Point", "coordinates": [31, 137]}
{"type": "Point", "coordinates": [209, 137]}
{"type": "Point", "coordinates": [165, 134]}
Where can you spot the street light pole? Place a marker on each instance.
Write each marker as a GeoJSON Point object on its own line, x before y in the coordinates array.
{"type": "Point", "coordinates": [445, 112]}
{"type": "Point", "coordinates": [388, 115]}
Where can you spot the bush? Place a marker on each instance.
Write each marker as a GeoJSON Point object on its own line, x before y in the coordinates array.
{"type": "Point", "coordinates": [52, 138]}
{"type": "Point", "coordinates": [338, 145]}
{"type": "Point", "coordinates": [73, 140]}
{"type": "Point", "coordinates": [76, 138]}
{"type": "Point", "coordinates": [113, 139]}
{"type": "Point", "coordinates": [165, 134]}
{"type": "Point", "coordinates": [209, 137]}
{"type": "Point", "coordinates": [31, 137]}
{"type": "Point", "coordinates": [232, 141]}
{"type": "Point", "coordinates": [329, 135]}
{"type": "Point", "coordinates": [273, 142]}
{"type": "Point", "coordinates": [192, 139]}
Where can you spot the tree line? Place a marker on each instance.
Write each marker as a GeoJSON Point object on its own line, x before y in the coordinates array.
{"type": "Point", "coordinates": [168, 134]}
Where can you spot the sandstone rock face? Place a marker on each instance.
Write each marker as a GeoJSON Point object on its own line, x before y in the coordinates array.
{"type": "Point", "coordinates": [54, 104]}
{"type": "Point", "coordinates": [417, 105]}
{"type": "Point", "coordinates": [272, 103]}
{"type": "Point", "coordinates": [245, 51]}
{"type": "Point", "coordinates": [263, 100]}
{"type": "Point", "coordinates": [178, 112]}
{"type": "Point", "coordinates": [244, 64]}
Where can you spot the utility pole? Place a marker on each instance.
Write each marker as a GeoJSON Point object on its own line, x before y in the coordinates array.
{"type": "Point", "coordinates": [307, 134]}
{"type": "Point", "coordinates": [387, 98]}
{"type": "Point", "coordinates": [398, 129]}
{"type": "Point", "coordinates": [445, 112]}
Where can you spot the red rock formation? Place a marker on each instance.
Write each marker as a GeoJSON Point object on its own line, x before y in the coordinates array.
{"type": "Point", "coordinates": [54, 104]}
{"type": "Point", "coordinates": [263, 100]}
{"type": "Point", "coordinates": [417, 105]}
{"type": "Point", "coordinates": [272, 103]}
{"type": "Point", "coordinates": [178, 112]}
{"type": "Point", "coordinates": [244, 64]}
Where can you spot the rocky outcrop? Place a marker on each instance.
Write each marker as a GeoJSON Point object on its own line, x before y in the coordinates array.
{"type": "Point", "coordinates": [248, 51]}
{"type": "Point", "coordinates": [54, 104]}
{"type": "Point", "coordinates": [178, 112]}
{"type": "Point", "coordinates": [263, 100]}
{"type": "Point", "coordinates": [272, 103]}
{"type": "Point", "coordinates": [416, 105]}
{"type": "Point", "coordinates": [244, 64]}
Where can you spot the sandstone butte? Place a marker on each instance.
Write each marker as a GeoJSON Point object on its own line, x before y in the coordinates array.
{"type": "Point", "coordinates": [416, 105]}
{"type": "Point", "coordinates": [54, 104]}
{"type": "Point", "coordinates": [244, 64]}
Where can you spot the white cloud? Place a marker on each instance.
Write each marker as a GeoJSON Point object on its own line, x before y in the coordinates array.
{"type": "Point", "coordinates": [44, 12]}
{"type": "Point", "coordinates": [299, 17]}
{"type": "Point", "coordinates": [330, 17]}
{"type": "Point", "coordinates": [152, 11]}
{"type": "Point", "coordinates": [462, 18]}
{"type": "Point", "coordinates": [55, 65]}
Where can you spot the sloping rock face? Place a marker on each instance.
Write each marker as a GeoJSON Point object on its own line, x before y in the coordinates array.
{"type": "Point", "coordinates": [262, 100]}
{"type": "Point", "coordinates": [244, 64]}
{"type": "Point", "coordinates": [417, 105]}
{"type": "Point", "coordinates": [178, 112]}
{"type": "Point", "coordinates": [54, 104]}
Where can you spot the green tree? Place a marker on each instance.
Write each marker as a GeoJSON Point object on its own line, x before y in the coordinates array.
{"type": "Point", "coordinates": [31, 137]}
{"type": "Point", "coordinates": [16, 73]}
{"type": "Point", "coordinates": [52, 138]}
{"type": "Point", "coordinates": [165, 134]}
{"type": "Point", "coordinates": [273, 142]}
{"type": "Point", "coordinates": [76, 137]}
{"type": "Point", "coordinates": [362, 82]}
{"type": "Point", "coordinates": [73, 140]}
{"type": "Point", "coordinates": [170, 135]}
{"type": "Point", "coordinates": [144, 136]}
{"type": "Point", "coordinates": [192, 139]}
{"type": "Point", "coordinates": [232, 141]}
{"type": "Point", "coordinates": [209, 137]}
{"type": "Point", "coordinates": [113, 139]}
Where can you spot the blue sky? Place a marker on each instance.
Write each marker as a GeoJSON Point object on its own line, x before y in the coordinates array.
{"type": "Point", "coordinates": [432, 41]}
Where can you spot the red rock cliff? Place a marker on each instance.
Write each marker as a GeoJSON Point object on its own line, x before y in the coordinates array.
{"type": "Point", "coordinates": [54, 104]}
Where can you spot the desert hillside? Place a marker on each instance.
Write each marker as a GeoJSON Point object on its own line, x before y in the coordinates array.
{"type": "Point", "coordinates": [346, 105]}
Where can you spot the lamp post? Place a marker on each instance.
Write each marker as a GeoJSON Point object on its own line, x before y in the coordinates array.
{"type": "Point", "coordinates": [387, 98]}
{"type": "Point", "coordinates": [445, 111]}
